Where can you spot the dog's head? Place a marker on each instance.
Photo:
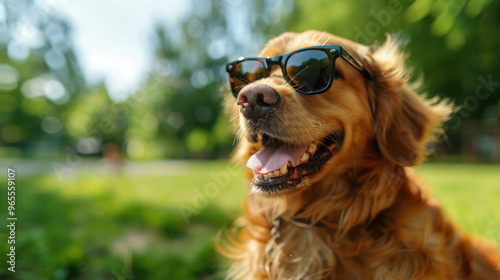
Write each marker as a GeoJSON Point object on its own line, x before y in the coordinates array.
{"type": "Point", "coordinates": [291, 139]}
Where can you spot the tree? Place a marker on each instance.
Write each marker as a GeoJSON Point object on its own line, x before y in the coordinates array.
{"type": "Point", "coordinates": [182, 93]}
{"type": "Point", "coordinates": [40, 75]}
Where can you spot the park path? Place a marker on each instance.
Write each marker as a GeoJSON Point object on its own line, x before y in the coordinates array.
{"type": "Point", "coordinates": [34, 167]}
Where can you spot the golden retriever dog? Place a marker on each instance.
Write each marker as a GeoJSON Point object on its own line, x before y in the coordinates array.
{"type": "Point", "coordinates": [329, 130]}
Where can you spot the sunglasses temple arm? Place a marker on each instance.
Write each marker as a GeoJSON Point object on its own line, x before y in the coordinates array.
{"type": "Point", "coordinates": [351, 60]}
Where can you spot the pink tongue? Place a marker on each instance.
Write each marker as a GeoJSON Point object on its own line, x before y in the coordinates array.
{"type": "Point", "coordinates": [271, 158]}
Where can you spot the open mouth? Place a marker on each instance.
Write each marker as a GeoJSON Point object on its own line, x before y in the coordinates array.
{"type": "Point", "coordinates": [279, 166]}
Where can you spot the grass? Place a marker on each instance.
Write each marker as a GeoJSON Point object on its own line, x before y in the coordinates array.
{"type": "Point", "coordinates": [469, 194]}
{"type": "Point", "coordinates": [160, 223]}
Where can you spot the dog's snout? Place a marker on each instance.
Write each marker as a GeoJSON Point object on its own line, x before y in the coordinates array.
{"type": "Point", "coordinates": [255, 100]}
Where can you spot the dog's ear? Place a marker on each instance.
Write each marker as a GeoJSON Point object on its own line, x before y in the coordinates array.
{"type": "Point", "coordinates": [404, 121]}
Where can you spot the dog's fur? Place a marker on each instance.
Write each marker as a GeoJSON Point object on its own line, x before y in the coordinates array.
{"type": "Point", "coordinates": [368, 215]}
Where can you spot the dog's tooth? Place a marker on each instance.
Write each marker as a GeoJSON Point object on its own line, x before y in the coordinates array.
{"type": "Point", "coordinates": [276, 173]}
{"type": "Point", "coordinates": [266, 176]}
{"type": "Point", "coordinates": [304, 157]}
{"type": "Point", "coordinates": [313, 148]}
{"type": "Point", "coordinates": [289, 164]}
{"type": "Point", "coordinates": [284, 169]}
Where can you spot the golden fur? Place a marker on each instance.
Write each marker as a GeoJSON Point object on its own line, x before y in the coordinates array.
{"type": "Point", "coordinates": [377, 219]}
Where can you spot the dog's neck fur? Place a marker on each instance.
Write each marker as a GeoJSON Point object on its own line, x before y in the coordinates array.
{"type": "Point", "coordinates": [337, 209]}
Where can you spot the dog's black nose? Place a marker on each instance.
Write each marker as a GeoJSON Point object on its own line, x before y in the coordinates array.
{"type": "Point", "coordinates": [256, 100]}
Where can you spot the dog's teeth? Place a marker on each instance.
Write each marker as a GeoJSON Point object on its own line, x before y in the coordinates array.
{"type": "Point", "coordinates": [284, 169]}
{"type": "Point", "coordinates": [304, 158]}
{"type": "Point", "coordinates": [266, 176]}
{"type": "Point", "coordinates": [276, 173]}
{"type": "Point", "coordinates": [312, 149]}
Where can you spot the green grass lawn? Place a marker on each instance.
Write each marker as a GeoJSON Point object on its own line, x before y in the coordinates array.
{"type": "Point", "coordinates": [469, 194]}
{"type": "Point", "coordinates": [162, 226]}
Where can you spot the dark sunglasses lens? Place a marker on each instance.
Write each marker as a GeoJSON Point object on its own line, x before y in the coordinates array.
{"type": "Point", "coordinates": [309, 71]}
{"type": "Point", "coordinates": [246, 72]}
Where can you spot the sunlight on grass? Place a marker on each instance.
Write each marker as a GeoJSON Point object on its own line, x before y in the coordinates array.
{"type": "Point", "coordinates": [469, 193]}
{"type": "Point", "coordinates": [157, 191]}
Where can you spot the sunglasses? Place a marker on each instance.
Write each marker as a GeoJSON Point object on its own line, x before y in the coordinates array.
{"type": "Point", "coordinates": [308, 70]}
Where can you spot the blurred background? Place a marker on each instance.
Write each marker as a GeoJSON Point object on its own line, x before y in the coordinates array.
{"type": "Point", "coordinates": [110, 113]}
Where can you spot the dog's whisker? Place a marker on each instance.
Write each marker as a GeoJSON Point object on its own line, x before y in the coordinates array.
{"type": "Point", "coordinates": [297, 87]}
{"type": "Point", "coordinates": [237, 136]}
{"type": "Point", "coordinates": [314, 40]}
{"type": "Point", "coordinates": [326, 41]}
{"type": "Point", "coordinates": [245, 80]}
{"type": "Point", "coordinates": [291, 79]}
{"type": "Point", "coordinates": [309, 134]}
{"type": "Point", "coordinates": [240, 87]}
{"type": "Point", "coordinates": [285, 82]}
{"type": "Point", "coordinates": [251, 191]}
{"type": "Point", "coordinates": [320, 37]}
{"type": "Point", "coordinates": [237, 116]}
{"type": "Point", "coordinates": [336, 134]}
{"type": "Point", "coordinates": [321, 144]}
{"type": "Point", "coordinates": [300, 72]}
{"type": "Point", "coordinates": [320, 123]}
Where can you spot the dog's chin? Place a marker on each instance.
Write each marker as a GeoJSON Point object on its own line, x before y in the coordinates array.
{"type": "Point", "coordinates": [299, 175]}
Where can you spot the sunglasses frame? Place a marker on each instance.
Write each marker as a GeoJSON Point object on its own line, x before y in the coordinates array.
{"type": "Point", "coordinates": [333, 52]}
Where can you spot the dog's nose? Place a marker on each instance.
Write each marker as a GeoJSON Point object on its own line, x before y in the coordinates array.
{"type": "Point", "coordinates": [256, 100]}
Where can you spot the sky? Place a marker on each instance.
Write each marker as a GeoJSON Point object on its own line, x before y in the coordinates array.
{"type": "Point", "coordinates": [113, 38]}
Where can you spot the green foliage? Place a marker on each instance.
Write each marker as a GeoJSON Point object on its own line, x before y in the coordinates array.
{"type": "Point", "coordinates": [93, 114]}
{"type": "Point", "coordinates": [46, 106]}
{"type": "Point", "coordinates": [38, 76]}
{"type": "Point", "coordinates": [190, 73]}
